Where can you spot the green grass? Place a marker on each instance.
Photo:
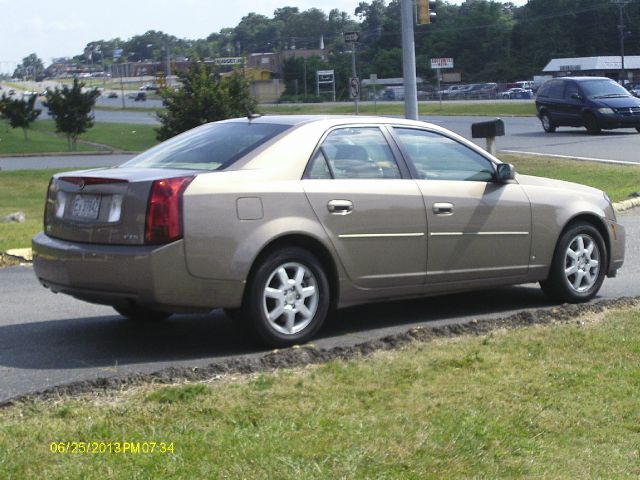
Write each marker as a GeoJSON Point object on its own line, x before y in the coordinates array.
{"type": "Point", "coordinates": [542, 402]}
{"type": "Point", "coordinates": [43, 139]}
{"type": "Point", "coordinates": [24, 191]}
{"type": "Point", "coordinates": [498, 108]}
{"type": "Point", "coordinates": [123, 136]}
{"type": "Point", "coordinates": [619, 181]}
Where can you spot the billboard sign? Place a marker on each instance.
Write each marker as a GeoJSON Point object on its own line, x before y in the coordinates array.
{"type": "Point", "coordinates": [437, 63]}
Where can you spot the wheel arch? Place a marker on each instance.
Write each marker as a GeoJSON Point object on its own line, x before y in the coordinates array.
{"type": "Point", "coordinates": [313, 246]}
{"type": "Point", "coordinates": [597, 223]}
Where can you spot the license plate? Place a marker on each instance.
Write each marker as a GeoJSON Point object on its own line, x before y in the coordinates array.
{"type": "Point", "coordinates": [86, 207]}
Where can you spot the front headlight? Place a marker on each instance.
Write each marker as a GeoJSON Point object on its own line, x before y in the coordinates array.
{"type": "Point", "coordinates": [606, 111]}
{"type": "Point", "coordinates": [613, 210]}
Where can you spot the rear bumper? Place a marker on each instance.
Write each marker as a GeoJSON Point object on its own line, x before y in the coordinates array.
{"type": "Point", "coordinates": [153, 276]}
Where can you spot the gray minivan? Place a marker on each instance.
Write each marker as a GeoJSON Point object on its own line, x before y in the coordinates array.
{"type": "Point", "coordinates": [593, 102]}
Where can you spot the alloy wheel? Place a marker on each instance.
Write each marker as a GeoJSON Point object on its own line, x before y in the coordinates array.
{"type": "Point", "coordinates": [582, 263]}
{"type": "Point", "coordinates": [290, 299]}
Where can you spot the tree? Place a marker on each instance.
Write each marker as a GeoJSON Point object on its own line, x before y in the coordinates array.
{"type": "Point", "coordinates": [20, 112]}
{"type": "Point", "coordinates": [71, 108]}
{"type": "Point", "coordinates": [31, 67]}
{"type": "Point", "coordinates": [204, 97]}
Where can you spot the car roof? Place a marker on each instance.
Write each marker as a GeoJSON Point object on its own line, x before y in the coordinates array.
{"type": "Point", "coordinates": [329, 120]}
{"type": "Point", "coordinates": [581, 79]}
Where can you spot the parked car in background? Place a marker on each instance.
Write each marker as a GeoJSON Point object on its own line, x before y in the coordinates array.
{"type": "Point", "coordinates": [112, 95]}
{"type": "Point", "coordinates": [453, 91]}
{"type": "Point", "coordinates": [526, 84]}
{"type": "Point", "coordinates": [282, 219]}
{"type": "Point", "coordinates": [149, 87]}
{"type": "Point", "coordinates": [517, 93]}
{"type": "Point", "coordinates": [635, 90]}
{"type": "Point", "coordinates": [595, 103]}
{"type": "Point", "coordinates": [137, 96]}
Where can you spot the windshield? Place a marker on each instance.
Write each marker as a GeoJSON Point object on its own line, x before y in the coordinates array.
{"type": "Point", "coordinates": [213, 146]}
{"type": "Point", "coordinates": [602, 89]}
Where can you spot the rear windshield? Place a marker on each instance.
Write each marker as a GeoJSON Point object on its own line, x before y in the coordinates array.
{"type": "Point", "coordinates": [602, 89]}
{"type": "Point", "coordinates": [213, 146]}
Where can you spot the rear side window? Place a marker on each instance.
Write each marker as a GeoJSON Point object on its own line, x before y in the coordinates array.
{"type": "Point", "coordinates": [213, 146]}
{"type": "Point", "coordinates": [552, 89]}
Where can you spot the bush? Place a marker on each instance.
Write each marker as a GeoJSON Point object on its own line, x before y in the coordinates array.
{"type": "Point", "coordinates": [71, 109]}
{"type": "Point", "coordinates": [20, 113]}
{"type": "Point", "coordinates": [205, 97]}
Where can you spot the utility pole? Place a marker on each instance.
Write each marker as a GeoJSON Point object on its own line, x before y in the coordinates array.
{"type": "Point", "coordinates": [409, 60]}
{"type": "Point", "coordinates": [621, 27]}
{"type": "Point", "coordinates": [354, 74]}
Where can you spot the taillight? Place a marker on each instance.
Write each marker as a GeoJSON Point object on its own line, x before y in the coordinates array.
{"type": "Point", "coordinates": [164, 222]}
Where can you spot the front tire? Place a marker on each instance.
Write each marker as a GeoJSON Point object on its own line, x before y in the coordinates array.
{"type": "Point", "coordinates": [591, 124]}
{"type": "Point", "coordinates": [579, 265]}
{"type": "Point", "coordinates": [547, 125]}
{"type": "Point", "coordinates": [287, 298]}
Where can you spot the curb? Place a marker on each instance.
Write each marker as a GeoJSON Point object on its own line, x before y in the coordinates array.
{"type": "Point", "coordinates": [67, 154]}
{"type": "Point", "coordinates": [626, 204]}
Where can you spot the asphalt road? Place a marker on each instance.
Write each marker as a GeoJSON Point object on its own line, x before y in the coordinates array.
{"type": "Point", "coordinates": [525, 135]}
{"type": "Point", "coordinates": [48, 339]}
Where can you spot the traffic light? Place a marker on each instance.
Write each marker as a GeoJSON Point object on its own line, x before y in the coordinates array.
{"type": "Point", "coordinates": [426, 11]}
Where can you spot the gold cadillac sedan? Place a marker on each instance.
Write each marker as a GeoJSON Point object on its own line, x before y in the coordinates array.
{"type": "Point", "coordinates": [279, 220]}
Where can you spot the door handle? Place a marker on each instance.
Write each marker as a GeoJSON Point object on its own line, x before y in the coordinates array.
{"type": "Point", "coordinates": [443, 208]}
{"type": "Point", "coordinates": [340, 207]}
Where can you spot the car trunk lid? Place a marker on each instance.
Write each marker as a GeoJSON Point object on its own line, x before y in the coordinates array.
{"type": "Point", "coordinates": [105, 206]}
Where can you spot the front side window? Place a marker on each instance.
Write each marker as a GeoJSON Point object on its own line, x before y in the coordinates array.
{"type": "Point", "coordinates": [572, 88]}
{"type": "Point", "coordinates": [213, 146]}
{"type": "Point", "coordinates": [436, 157]}
{"type": "Point", "coordinates": [352, 153]}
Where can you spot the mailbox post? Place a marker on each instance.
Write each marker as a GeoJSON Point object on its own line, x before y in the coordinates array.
{"type": "Point", "coordinates": [489, 130]}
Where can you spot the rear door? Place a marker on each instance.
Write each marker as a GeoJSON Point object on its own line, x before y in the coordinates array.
{"type": "Point", "coordinates": [370, 208]}
{"type": "Point", "coordinates": [550, 98]}
{"type": "Point", "coordinates": [477, 228]}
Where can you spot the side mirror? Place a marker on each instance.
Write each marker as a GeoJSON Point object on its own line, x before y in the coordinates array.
{"type": "Point", "coordinates": [576, 96]}
{"type": "Point", "coordinates": [505, 172]}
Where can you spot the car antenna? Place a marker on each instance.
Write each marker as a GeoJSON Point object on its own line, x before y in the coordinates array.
{"type": "Point", "coordinates": [251, 116]}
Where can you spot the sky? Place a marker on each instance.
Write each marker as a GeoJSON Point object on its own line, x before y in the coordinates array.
{"type": "Point", "coordinates": [62, 28]}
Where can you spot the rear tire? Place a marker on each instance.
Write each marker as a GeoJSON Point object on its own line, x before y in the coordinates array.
{"type": "Point", "coordinates": [638, 129]}
{"type": "Point", "coordinates": [591, 124]}
{"type": "Point", "coordinates": [287, 298]}
{"type": "Point", "coordinates": [547, 124]}
{"type": "Point", "coordinates": [141, 314]}
{"type": "Point", "coordinates": [579, 265]}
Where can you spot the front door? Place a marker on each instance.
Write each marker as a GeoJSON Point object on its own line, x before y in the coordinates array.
{"type": "Point", "coordinates": [477, 228]}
